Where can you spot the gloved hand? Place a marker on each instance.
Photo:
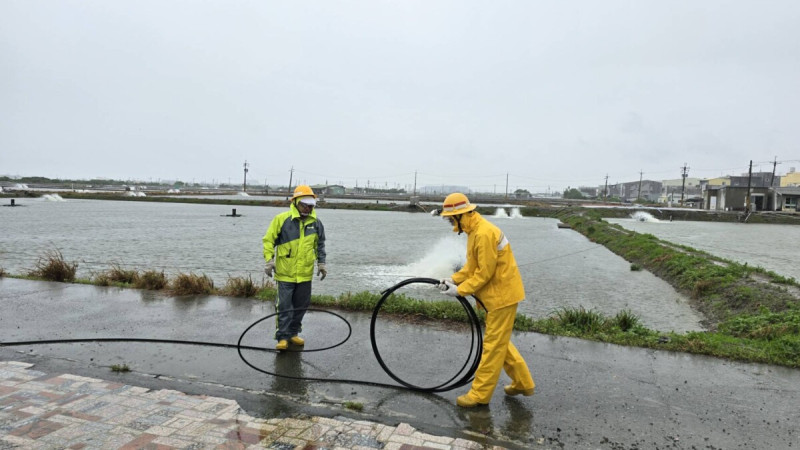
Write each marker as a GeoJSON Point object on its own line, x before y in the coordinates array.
{"type": "Point", "coordinates": [448, 288]}
{"type": "Point", "coordinates": [321, 271]}
{"type": "Point", "coordinates": [269, 269]}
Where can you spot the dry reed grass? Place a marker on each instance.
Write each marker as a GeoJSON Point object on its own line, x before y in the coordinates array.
{"type": "Point", "coordinates": [117, 275]}
{"type": "Point", "coordinates": [152, 280]}
{"type": "Point", "coordinates": [241, 287]}
{"type": "Point", "coordinates": [191, 284]}
{"type": "Point", "coordinates": [53, 267]}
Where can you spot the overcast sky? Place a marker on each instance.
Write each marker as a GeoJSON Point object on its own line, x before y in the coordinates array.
{"type": "Point", "coordinates": [551, 94]}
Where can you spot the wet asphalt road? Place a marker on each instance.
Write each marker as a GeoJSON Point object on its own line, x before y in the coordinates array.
{"type": "Point", "coordinates": [589, 395]}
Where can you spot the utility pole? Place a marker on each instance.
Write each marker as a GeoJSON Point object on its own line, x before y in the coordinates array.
{"type": "Point", "coordinates": [684, 174]}
{"type": "Point", "coordinates": [639, 194]}
{"type": "Point", "coordinates": [415, 183]}
{"type": "Point", "coordinates": [506, 186]}
{"type": "Point", "coordinates": [774, 165]}
{"type": "Point", "coordinates": [244, 186]}
{"type": "Point", "coordinates": [747, 196]}
{"type": "Point", "coordinates": [291, 172]}
{"type": "Point", "coordinates": [605, 190]}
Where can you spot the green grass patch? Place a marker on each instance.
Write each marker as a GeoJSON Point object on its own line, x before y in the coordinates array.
{"type": "Point", "coordinates": [120, 368]}
{"type": "Point", "coordinates": [355, 406]}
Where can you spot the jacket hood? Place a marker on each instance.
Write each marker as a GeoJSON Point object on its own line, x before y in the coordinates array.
{"type": "Point", "coordinates": [469, 221]}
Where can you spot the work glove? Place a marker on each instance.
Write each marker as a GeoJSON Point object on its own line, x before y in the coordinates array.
{"type": "Point", "coordinates": [448, 288]}
{"type": "Point", "coordinates": [321, 271]}
{"type": "Point", "coordinates": [269, 269]}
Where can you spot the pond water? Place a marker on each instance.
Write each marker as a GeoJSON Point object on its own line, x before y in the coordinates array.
{"type": "Point", "coordinates": [367, 250]}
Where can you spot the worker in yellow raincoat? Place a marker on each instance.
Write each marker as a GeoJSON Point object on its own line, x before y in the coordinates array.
{"type": "Point", "coordinates": [492, 276]}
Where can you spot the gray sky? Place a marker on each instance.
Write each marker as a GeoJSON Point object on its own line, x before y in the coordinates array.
{"type": "Point", "coordinates": [554, 94]}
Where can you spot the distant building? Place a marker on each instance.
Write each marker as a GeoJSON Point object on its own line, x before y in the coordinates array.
{"type": "Point", "coordinates": [791, 179]}
{"type": "Point", "coordinates": [650, 190]}
{"type": "Point", "coordinates": [787, 198]}
{"type": "Point", "coordinates": [757, 179]}
{"type": "Point", "coordinates": [713, 183]}
{"type": "Point", "coordinates": [328, 189]}
{"type": "Point", "coordinates": [732, 198]}
{"type": "Point", "coordinates": [442, 190]}
{"type": "Point", "coordinates": [721, 181]}
{"type": "Point", "coordinates": [671, 190]}
{"type": "Point", "coordinates": [762, 198]}
{"type": "Point", "coordinates": [590, 192]}
{"type": "Point", "coordinates": [629, 191]}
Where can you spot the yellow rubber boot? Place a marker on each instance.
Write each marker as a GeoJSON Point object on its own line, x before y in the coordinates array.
{"type": "Point", "coordinates": [510, 390]}
{"type": "Point", "coordinates": [465, 401]}
{"type": "Point", "coordinates": [283, 344]}
{"type": "Point", "coordinates": [297, 340]}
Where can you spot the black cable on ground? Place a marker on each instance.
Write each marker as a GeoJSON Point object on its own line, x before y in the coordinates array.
{"type": "Point", "coordinates": [463, 376]}
{"type": "Point", "coordinates": [475, 349]}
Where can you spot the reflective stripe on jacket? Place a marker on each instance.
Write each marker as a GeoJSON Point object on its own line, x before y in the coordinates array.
{"type": "Point", "coordinates": [491, 273]}
{"type": "Point", "coordinates": [295, 243]}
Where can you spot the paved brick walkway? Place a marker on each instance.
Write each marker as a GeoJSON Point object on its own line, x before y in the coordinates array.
{"type": "Point", "coordinates": [38, 410]}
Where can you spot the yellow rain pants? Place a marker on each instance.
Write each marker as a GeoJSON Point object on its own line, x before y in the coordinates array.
{"type": "Point", "coordinates": [499, 352]}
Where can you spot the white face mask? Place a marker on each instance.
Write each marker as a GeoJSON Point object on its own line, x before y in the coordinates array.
{"type": "Point", "coordinates": [303, 209]}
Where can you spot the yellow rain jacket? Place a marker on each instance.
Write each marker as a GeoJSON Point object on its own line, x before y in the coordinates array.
{"type": "Point", "coordinates": [295, 243]}
{"type": "Point", "coordinates": [491, 273]}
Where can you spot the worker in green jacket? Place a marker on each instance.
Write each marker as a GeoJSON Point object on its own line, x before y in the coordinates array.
{"type": "Point", "coordinates": [294, 241]}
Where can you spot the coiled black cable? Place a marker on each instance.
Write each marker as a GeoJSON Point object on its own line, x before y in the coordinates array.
{"type": "Point", "coordinates": [462, 377]}
{"type": "Point", "coordinates": [476, 342]}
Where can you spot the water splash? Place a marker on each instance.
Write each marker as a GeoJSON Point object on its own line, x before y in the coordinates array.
{"type": "Point", "coordinates": [444, 258]}
{"type": "Point", "coordinates": [52, 198]}
{"type": "Point", "coordinates": [244, 194]}
{"type": "Point", "coordinates": [135, 194]}
{"type": "Point", "coordinates": [500, 212]}
{"type": "Point", "coordinates": [642, 216]}
{"type": "Point", "coordinates": [513, 213]}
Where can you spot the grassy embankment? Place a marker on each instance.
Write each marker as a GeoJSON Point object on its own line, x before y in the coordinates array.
{"type": "Point", "coordinates": [752, 314]}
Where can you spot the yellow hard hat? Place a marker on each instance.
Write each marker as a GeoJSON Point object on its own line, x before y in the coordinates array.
{"type": "Point", "coordinates": [303, 191]}
{"type": "Point", "coordinates": [456, 203]}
